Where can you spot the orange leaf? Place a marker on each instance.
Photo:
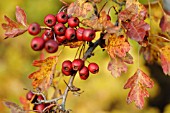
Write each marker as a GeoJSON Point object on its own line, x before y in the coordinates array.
{"type": "Point", "coordinates": [100, 23]}
{"type": "Point", "coordinates": [117, 46]}
{"type": "Point", "coordinates": [42, 78]}
{"type": "Point", "coordinates": [165, 59]}
{"type": "Point", "coordinates": [138, 84]}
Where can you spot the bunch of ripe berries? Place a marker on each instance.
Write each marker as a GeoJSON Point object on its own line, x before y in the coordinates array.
{"type": "Point", "coordinates": [56, 33]}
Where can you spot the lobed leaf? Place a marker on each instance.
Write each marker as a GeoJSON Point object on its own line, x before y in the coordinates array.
{"type": "Point", "coordinates": [117, 66]}
{"type": "Point", "coordinates": [42, 78]}
{"type": "Point", "coordinates": [165, 23]}
{"type": "Point", "coordinates": [79, 9]}
{"type": "Point", "coordinates": [14, 28]}
{"type": "Point", "coordinates": [138, 84]}
{"type": "Point", "coordinates": [100, 23]}
{"type": "Point", "coordinates": [21, 16]}
{"type": "Point", "coordinates": [14, 107]}
{"type": "Point", "coordinates": [133, 21]}
{"type": "Point", "coordinates": [117, 46]}
{"type": "Point", "coordinates": [165, 59]}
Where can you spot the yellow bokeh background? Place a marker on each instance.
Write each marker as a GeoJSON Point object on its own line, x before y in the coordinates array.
{"type": "Point", "coordinates": [102, 92]}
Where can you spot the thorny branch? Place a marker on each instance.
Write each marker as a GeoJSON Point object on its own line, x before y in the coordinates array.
{"type": "Point", "coordinates": [61, 107]}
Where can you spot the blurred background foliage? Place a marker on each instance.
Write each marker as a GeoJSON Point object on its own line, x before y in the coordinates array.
{"type": "Point", "coordinates": [103, 93]}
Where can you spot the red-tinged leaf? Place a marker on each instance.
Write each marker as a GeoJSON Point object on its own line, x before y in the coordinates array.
{"type": "Point", "coordinates": [165, 59]}
{"type": "Point", "coordinates": [42, 78]}
{"type": "Point", "coordinates": [117, 46]}
{"type": "Point", "coordinates": [165, 23]}
{"type": "Point", "coordinates": [133, 21]}
{"type": "Point", "coordinates": [117, 66]}
{"type": "Point", "coordinates": [14, 107]}
{"type": "Point", "coordinates": [79, 8]}
{"type": "Point", "coordinates": [21, 16]}
{"type": "Point", "coordinates": [138, 84]}
{"type": "Point", "coordinates": [136, 29]}
{"type": "Point", "coordinates": [128, 58]}
{"type": "Point", "coordinates": [13, 28]}
{"type": "Point", "coordinates": [100, 23]}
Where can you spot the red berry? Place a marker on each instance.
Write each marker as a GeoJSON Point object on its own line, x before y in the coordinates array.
{"type": "Point", "coordinates": [67, 73]}
{"type": "Point", "coordinates": [62, 17]}
{"type": "Point", "coordinates": [73, 21]}
{"type": "Point", "coordinates": [79, 33]}
{"type": "Point", "coordinates": [50, 20]}
{"type": "Point", "coordinates": [61, 39]}
{"type": "Point", "coordinates": [29, 95]}
{"type": "Point", "coordinates": [59, 29]}
{"type": "Point", "coordinates": [40, 97]}
{"type": "Point", "coordinates": [67, 66]}
{"type": "Point", "coordinates": [37, 43]}
{"type": "Point", "coordinates": [48, 34]}
{"type": "Point", "coordinates": [39, 107]}
{"type": "Point", "coordinates": [77, 64]}
{"type": "Point", "coordinates": [51, 46]}
{"type": "Point", "coordinates": [84, 73]}
{"type": "Point", "coordinates": [88, 35]}
{"type": "Point", "coordinates": [93, 68]}
{"type": "Point", "coordinates": [108, 17]}
{"type": "Point", "coordinates": [70, 33]}
{"type": "Point", "coordinates": [34, 29]}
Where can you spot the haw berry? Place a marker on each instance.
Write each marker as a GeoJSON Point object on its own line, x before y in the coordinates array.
{"type": "Point", "coordinates": [39, 107]}
{"type": "Point", "coordinates": [79, 33]}
{"type": "Point", "coordinates": [108, 17]}
{"type": "Point", "coordinates": [88, 35]}
{"type": "Point", "coordinates": [70, 33]}
{"type": "Point", "coordinates": [34, 29]}
{"type": "Point", "coordinates": [40, 97]}
{"type": "Point", "coordinates": [50, 20]}
{"type": "Point", "coordinates": [59, 29]}
{"type": "Point", "coordinates": [77, 64]}
{"type": "Point", "coordinates": [37, 43]}
{"type": "Point", "coordinates": [73, 21]}
{"type": "Point", "coordinates": [29, 95]}
{"type": "Point", "coordinates": [93, 68]}
{"type": "Point", "coordinates": [62, 17]}
{"type": "Point", "coordinates": [67, 73]}
{"type": "Point", "coordinates": [48, 34]}
{"type": "Point", "coordinates": [67, 66]}
{"type": "Point", "coordinates": [84, 73]}
{"type": "Point", "coordinates": [51, 46]}
{"type": "Point", "coordinates": [61, 39]}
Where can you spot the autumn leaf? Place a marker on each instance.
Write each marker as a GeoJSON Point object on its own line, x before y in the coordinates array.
{"type": "Point", "coordinates": [100, 23]}
{"type": "Point", "coordinates": [133, 21]}
{"type": "Point", "coordinates": [74, 44]}
{"type": "Point", "coordinates": [42, 78]}
{"type": "Point", "coordinates": [14, 107]}
{"type": "Point", "coordinates": [117, 66]}
{"type": "Point", "coordinates": [15, 28]}
{"type": "Point", "coordinates": [138, 84]}
{"type": "Point", "coordinates": [165, 59]}
{"type": "Point", "coordinates": [165, 23]}
{"type": "Point", "coordinates": [79, 8]}
{"type": "Point", "coordinates": [117, 45]}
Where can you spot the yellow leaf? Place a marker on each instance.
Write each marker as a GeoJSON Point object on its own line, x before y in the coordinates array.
{"type": "Point", "coordinates": [43, 77]}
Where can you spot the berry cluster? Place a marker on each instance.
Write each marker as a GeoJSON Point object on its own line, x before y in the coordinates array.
{"type": "Point", "coordinates": [68, 68]}
{"type": "Point", "coordinates": [30, 96]}
{"type": "Point", "coordinates": [56, 33]}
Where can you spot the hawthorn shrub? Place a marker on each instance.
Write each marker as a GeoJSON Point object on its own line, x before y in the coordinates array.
{"type": "Point", "coordinates": [76, 25]}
